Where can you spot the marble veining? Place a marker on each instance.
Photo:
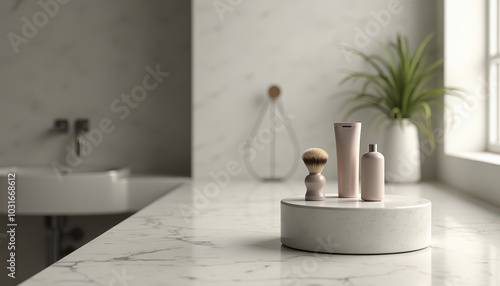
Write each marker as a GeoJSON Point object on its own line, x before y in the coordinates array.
{"type": "Point", "coordinates": [197, 235]}
{"type": "Point", "coordinates": [255, 43]}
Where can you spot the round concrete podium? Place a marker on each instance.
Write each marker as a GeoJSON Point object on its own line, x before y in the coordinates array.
{"type": "Point", "coordinates": [352, 226]}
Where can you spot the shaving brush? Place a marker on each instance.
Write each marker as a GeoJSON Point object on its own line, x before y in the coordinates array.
{"type": "Point", "coordinates": [315, 160]}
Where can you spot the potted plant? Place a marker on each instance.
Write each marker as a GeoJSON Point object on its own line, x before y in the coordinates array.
{"type": "Point", "coordinates": [398, 88]}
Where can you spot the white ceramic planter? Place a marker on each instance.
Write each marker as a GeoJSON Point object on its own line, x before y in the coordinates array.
{"type": "Point", "coordinates": [402, 152]}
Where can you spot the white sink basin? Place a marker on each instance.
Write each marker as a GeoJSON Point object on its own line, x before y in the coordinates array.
{"type": "Point", "coordinates": [86, 190]}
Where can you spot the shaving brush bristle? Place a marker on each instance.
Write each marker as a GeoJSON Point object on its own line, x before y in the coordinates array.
{"type": "Point", "coordinates": [315, 159]}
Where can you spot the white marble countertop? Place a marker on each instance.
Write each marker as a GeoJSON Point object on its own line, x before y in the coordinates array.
{"type": "Point", "coordinates": [231, 236]}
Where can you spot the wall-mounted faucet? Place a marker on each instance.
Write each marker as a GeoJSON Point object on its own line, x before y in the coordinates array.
{"type": "Point", "coordinates": [81, 127]}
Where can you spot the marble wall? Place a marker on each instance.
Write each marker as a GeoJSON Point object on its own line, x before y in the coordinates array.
{"type": "Point", "coordinates": [87, 59]}
{"type": "Point", "coordinates": [241, 47]}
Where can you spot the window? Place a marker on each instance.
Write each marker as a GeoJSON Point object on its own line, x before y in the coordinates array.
{"type": "Point", "coordinates": [494, 75]}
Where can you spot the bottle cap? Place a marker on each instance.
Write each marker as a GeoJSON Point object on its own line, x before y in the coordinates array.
{"type": "Point", "coordinates": [372, 147]}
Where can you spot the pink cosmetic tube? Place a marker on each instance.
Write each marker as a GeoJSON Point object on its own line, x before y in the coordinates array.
{"type": "Point", "coordinates": [347, 137]}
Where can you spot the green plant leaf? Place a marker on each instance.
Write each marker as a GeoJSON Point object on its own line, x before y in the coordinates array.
{"type": "Point", "coordinates": [396, 113]}
{"type": "Point", "coordinates": [416, 59]}
{"type": "Point", "coordinates": [398, 85]}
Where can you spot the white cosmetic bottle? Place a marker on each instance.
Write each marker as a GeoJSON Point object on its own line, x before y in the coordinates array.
{"type": "Point", "coordinates": [372, 175]}
{"type": "Point", "coordinates": [347, 136]}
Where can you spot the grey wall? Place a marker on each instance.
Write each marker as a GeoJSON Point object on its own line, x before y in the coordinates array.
{"type": "Point", "coordinates": [239, 51]}
{"type": "Point", "coordinates": [78, 62]}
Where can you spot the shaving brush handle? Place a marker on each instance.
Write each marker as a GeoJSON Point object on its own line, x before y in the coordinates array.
{"type": "Point", "coordinates": [315, 184]}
